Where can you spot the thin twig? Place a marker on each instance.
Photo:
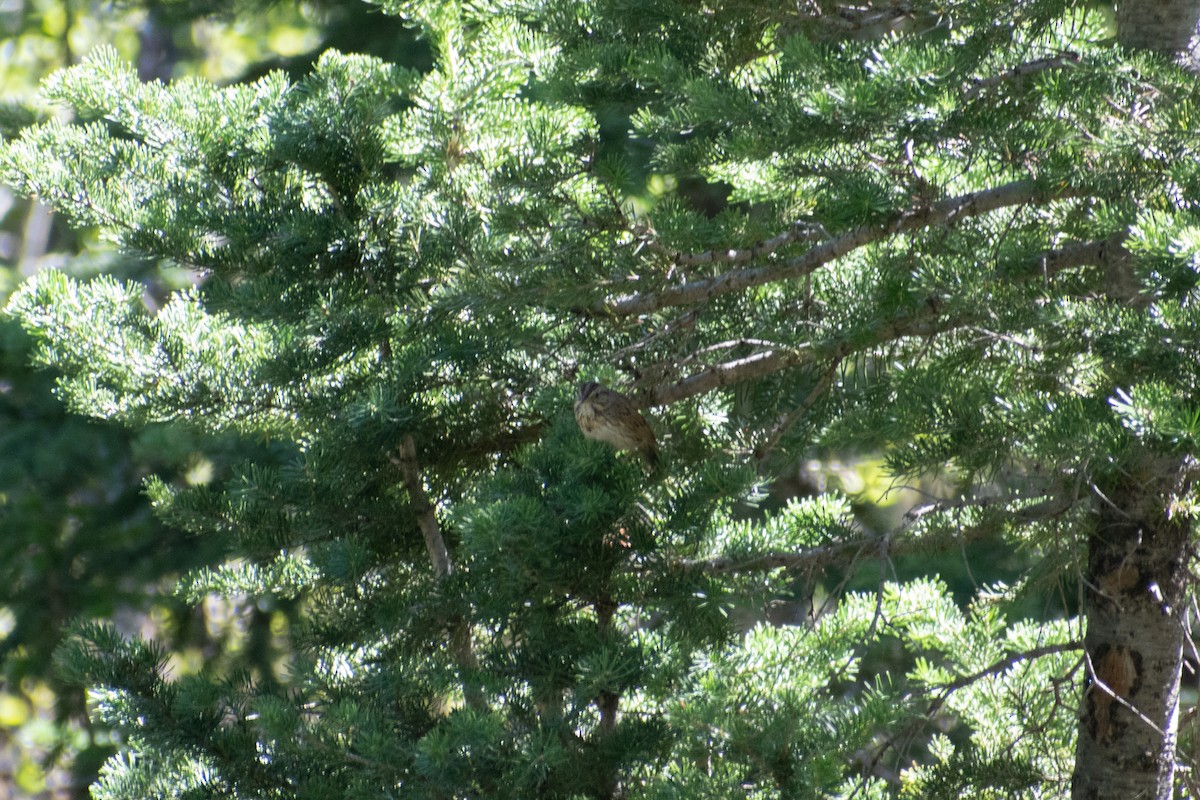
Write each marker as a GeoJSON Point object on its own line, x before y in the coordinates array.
{"type": "Point", "coordinates": [1003, 664]}
{"type": "Point", "coordinates": [683, 322]}
{"type": "Point", "coordinates": [1097, 683]}
{"type": "Point", "coordinates": [822, 385]}
{"type": "Point", "coordinates": [884, 545]}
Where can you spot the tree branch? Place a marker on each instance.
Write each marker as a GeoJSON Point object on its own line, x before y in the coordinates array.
{"type": "Point", "coordinates": [865, 20]}
{"type": "Point", "coordinates": [1000, 666]}
{"type": "Point", "coordinates": [922, 323]}
{"type": "Point", "coordinates": [823, 384]}
{"type": "Point", "coordinates": [945, 212]}
{"type": "Point", "coordinates": [460, 633]}
{"type": "Point", "coordinates": [1109, 254]}
{"type": "Point", "coordinates": [812, 557]}
{"type": "Point", "coordinates": [1020, 71]}
{"type": "Point", "coordinates": [406, 461]}
{"type": "Point", "coordinates": [1078, 254]}
{"type": "Point", "coordinates": [929, 715]}
{"type": "Point", "coordinates": [800, 231]}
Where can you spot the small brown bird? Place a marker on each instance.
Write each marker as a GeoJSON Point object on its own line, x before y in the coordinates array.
{"type": "Point", "coordinates": [609, 417]}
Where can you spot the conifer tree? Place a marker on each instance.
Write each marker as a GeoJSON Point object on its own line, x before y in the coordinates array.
{"type": "Point", "coordinates": [959, 235]}
{"type": "Point", "coordinates": [76, 534]}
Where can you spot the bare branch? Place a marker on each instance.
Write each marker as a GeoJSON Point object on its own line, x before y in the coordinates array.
{"type": "Point", "coordinates": [1116, 696]}
{"type": "Point", "coordinates": [1108, 254]}
{"type": "Point", "coordinates": [1002, 665]}
{"type": "Point", "coordinates": [800, 231]}
{"type": "Point", "coordinates": [728, 373]}
{"type": "Point", "coordinates": [1020, 71]}
{"type": "Point", "coordinates": [945, 212]}
{"type": "Point", "coordinates": [730, 345]}
{"type": "Point", "coordinates": [767, 362]}
{"type": "Point", "coordinates": [867, 21]}
{"type": "Point", "coordinates": [483, 449]}
{"type": "Point", "coordinates": [461, 647]}
{"type": "Point", "coordinates": [1078, 254]}
{"type": "Point", "coordinates": [406, 461]}
{"type": "Point", "coordinates": [685, 322]}
{"type": "Point", "coordinates": [1111, 255]}
{"type": "Point", "coordinates": [897, 544]}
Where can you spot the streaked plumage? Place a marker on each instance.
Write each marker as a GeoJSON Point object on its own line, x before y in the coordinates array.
{"type": "Point", "coordinates": [609, 417]}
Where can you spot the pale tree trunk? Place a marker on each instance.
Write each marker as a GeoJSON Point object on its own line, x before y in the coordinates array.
{"type": "Point", "coordinates": [1167, 26]}
{"type": "Point", "coordinates": [1136, 583]}
{"type": "Point", "coordinates": [1136, 599]}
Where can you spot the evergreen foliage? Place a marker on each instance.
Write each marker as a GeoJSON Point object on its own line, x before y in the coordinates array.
{"type": "Point", "coordinates": [966, 244]}
{"type": "Point", "coordinates": [78, 538]}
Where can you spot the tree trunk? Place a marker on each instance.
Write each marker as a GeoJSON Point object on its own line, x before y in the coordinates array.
{"type": "Point", "coordinates": [1136, 585]}
{"type": "Point", "coordinates": [1136, 581]}
{"type": "Point", "coordinates": [1166, 26]}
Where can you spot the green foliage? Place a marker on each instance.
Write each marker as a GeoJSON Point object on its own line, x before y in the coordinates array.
{"type": "Point", "coordinates": [79, 539]}
{"type": "Point", "coordinates": [872, 246]}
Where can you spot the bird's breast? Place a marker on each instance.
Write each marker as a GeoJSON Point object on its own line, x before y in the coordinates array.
{"type": "Point", "coordinates": [585, 415]}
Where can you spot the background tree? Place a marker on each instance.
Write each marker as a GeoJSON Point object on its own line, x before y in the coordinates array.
{"type": "Point", "coordinates": [77, 537]}
{"type": "Point", "coordinates": [955, 235]}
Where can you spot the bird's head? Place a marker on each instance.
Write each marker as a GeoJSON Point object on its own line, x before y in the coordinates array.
{"type": "Point", "coordinates": [586, 390]}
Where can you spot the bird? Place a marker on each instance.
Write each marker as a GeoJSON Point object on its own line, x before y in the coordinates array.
{"type": "Point", "coordinates": [608, 416]}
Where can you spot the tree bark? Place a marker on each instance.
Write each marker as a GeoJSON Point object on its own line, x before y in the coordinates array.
{"type": "Point", "coordinates": [1165, 26]}
{"type": "Point", "coordinates": [1137, 572]}
{"type": "Point", "coordinates": [1135, 590]}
